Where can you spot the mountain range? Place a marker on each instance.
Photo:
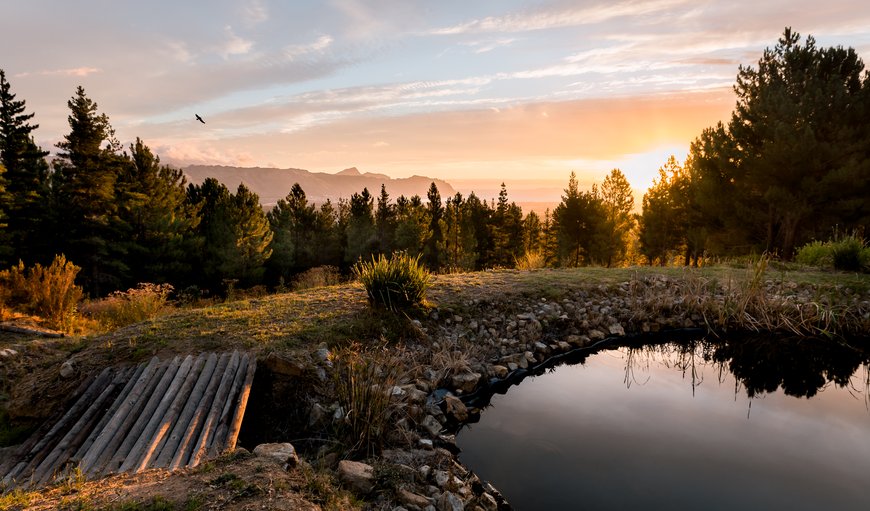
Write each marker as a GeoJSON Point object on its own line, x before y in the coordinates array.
{"type": "Point", "coordinates": [272, 184]}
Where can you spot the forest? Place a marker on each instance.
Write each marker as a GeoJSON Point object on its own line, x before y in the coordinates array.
{"type": "Point", "coordinates": [791, 166]}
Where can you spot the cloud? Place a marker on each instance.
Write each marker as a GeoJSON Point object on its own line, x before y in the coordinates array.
{"type": "Point", "coordinates": [558, 18]}
{"type": "Point", "coordinates": [75, 71]}
{"type": "Point", "coordinates": [297, 50]}
{"type": "Point", "coordinates": [489, 45]}
{"type": "Point", "coordinates": [255, 12]}
{"type": "Point", "coordinates": [234, 44]}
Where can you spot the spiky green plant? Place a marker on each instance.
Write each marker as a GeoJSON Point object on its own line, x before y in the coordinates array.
{"type": "Point", "coordinates": [394, 282]}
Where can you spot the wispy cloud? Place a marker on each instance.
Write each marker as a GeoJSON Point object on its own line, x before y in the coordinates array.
{"type": "Point", "coordinates": [297, 50]}
{"type": "Point", "coordinates": [234, 45]}
{"type": "Point", "coordinates": [74, 71]}
{"type": "Point", "coordinates": [489, 45]}
{"type": "Point", "coordinates": [255, 12]}
{"type": "Point", "coordinates": [558, 18]}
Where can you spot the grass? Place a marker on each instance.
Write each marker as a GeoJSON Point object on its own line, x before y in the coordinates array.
{"type": "Point", "coordinates": [395, 282]}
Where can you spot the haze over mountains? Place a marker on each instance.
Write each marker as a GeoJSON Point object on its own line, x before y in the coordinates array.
{"type": "Point", "coordinates": [272, 184]}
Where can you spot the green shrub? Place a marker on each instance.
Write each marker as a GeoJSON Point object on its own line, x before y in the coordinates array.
{"type": "Point", "coordinates": [847, 253]}
{"type": "Point", "coordinates": [816, 253]}
{"type": "Point", "coordinates": [49, 292]}
{"type": "Point", "coordinates": [395, 282]}
{"type": "Point", "coordinates": [123, 308]}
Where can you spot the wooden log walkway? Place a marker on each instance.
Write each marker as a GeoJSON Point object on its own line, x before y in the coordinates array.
{"type": "Point", "coordinates": [169, 414]}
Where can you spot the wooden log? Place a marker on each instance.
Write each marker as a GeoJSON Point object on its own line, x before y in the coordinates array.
{"type": "Point", "coordinates": [218, 442]}
{"type": "Point", "coordinates": [170, 416]}
{"type": "Point", "coordinates": [113, 432]}
{"type": "Point", "coordinates": [236, 424]}
{"type": "Point", "coordinates": [43, 447]}
{"type": "Point", "coordinates": [77, 433]}
{"type": "Point", "coordinates": [181, 425]}
{"type": "Point", "coordinates": [182, 454]}
{"type": "Point", "coordinates": [95, 432]}
{"type": "Point", "coordinates": [142, 418]}
{"type": "Point", "coordinates": [31, 331]}
{"type": "Point", "coordinates": [200, 449]}
{"type": "Point", "coordinates": [137, 452]}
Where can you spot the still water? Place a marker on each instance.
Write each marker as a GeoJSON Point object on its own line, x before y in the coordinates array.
{"type": "Point", "coordinates": [750, 424]}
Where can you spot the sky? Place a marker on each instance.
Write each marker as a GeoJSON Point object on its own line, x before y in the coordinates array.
{"type": "Point", "coordinates": [467, 91]}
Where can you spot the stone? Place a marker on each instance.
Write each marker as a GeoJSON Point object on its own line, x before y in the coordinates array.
{"type": "Point", "coordinates": [284, 453]}
{"type": "Point", "coordinates": [487, 502]}
{"type": "Point", "coordinates": [431, 425]}
{"type": "Point", "coordinates": [465, 381]}
{"type": "Point", "coordinates": [425, 471]}
{"type": "Point", "coordinates": [442, 478]}
{"type": "Point", "coordinates": [596, 335]}
{"type": "Point", "coordinates": [616, 329]}
{"type": "Point", "coordinates": [67, 369]}
{"type": "Point", "coordinates": [412, 499]}
{"type": "Point", "coordinates": [456, 408]}
{"type": "Point", "coordinates": [285, 367]}
{"type": "Point", "coordinates": [357, 476]}
{"type": "Point", "coordinates": [457, 319]}
{"type": "Point", "coordinates": [499, 371]}
{"type": "Point", "coordinates": [426, 443]}
{"type": "Point", "coordinates": [450, 502]}
{"type": "Point", "coordinates": [7, 353]}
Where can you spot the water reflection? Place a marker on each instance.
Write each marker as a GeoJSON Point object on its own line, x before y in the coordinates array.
{"type": "Point", "coordinates": [666, 425]}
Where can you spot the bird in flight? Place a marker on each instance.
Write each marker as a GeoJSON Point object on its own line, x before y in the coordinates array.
{"type": "Point", "coordinates": [198, 118]}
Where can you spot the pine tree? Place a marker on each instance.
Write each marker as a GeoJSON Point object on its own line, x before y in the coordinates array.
{"type": "Point", "coordinates": [294, 222]}
{"type": "Point", "coordinates": [385, 221]}
{"type": "Point", "coordinates": [577, 220]}
{"type": "Point", "coordinates": [433, 254]}
{"type": "Point", "coordinates": [25, 196]}
{"type": "Point", "coordinates": [86, 211]}
{"type": "Point", "coordinates": [159, 224]}
{"type": "Point", "coordinates": [361, 232]}
{"type": "Point", "coordinates": [410, 225]}
{"type": "Point", "coordinates": [618, 202]}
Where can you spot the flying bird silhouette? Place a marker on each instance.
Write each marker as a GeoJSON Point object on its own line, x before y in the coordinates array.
{"type": "Point", "coordinates": [198, 118]}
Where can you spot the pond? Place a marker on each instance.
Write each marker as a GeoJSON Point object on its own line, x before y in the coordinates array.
{"type": "Point", "coordinates": [743, 424]}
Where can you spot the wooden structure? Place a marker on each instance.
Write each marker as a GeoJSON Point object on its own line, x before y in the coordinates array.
{"type": "Point", "coordinates": [168, 414]}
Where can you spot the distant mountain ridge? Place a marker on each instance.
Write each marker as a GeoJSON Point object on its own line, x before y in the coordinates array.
{"type": "Point", "coordinates": [272, 184]}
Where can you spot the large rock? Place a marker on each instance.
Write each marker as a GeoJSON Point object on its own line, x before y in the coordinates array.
{"type": "Point", "coordinates": [465, 381]}
{"type": "Point", "coordinates": [412, 499]}
{"type": "Point", "coordinates": [356, 476]}
{"type": "Point", "coordinates": [284, 453]}
{"type": "Point", "coordinates": [67, 369]}
{"type": "Point", "coordinates": [456, 408]}
{"type": "Point", "coordinates": [450, 502]}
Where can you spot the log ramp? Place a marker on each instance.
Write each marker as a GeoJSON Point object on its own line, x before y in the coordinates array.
{"type": "Point", "coordinates": [162, 414]}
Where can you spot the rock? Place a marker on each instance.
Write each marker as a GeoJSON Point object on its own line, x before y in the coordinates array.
{"type": "Point", "coordinates": [456, 408]}
{"type": "Point", "coordinates": [285, 367]}
{"type": "Point", "coordinates": [616, 329]}
{"type": "Point", "coordinates": [487, 502]}
{"type": "Point", "coordinates": [431, 425]}
{"type": "Point", "coordinates": [499, 371]}
{"type": "Point", "coordinates": [450, 502]}
{"type": "Point", "coordinates": [283, 452]}
{"type": "Point", "coordinates": [316, 414]}
{"type": "Point", "coordinates": [412, 499]}
{"type": "Point", "coordinates": [465, 381]}
{"type": "Point", "coordinates": [7, 353]}
{"type": "Point", "coordinates": [457, 319]}
{"type": "Point", "coordinates": [425, 471]}
{"type": "Point", "coordinates": [67, 369]}
{"type": "Point", "coordinates": [356, 476]}
{"type": "Point", "coordinates": [426, 443]}
{"type": "Point", "coordinates": [442, 478]}
{"type": "Point", "coordinates": [596, 335]}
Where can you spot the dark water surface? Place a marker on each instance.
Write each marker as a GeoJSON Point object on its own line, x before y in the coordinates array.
{"type": "Point", "coordinates": [671, 427]}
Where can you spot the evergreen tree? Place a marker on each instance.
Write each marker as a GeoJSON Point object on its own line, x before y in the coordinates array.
{"type": "Point", "coordinates": [533, 233]}
{"type": "Point", "coordinates": [294, 224]}
{"type": "Point", "coordinates": [385, 221]}
{"type": "Point", "coordinates": [410, 225]}
{"type": "Point", "coordinates": [86, 210]}
{"type": "Point", "coordinates": [328, 237]}
{"type": "Point", "coordinates": [661, 225]}
{"type": "Point", "coordinates": [577, 220]}
{"type": "Point", "coordinates": [618, 203]}
{"type": "Point", "coordinates": [25, 198]}
{"type": "Point", "coordinates": [361, 232]}
{"type": "Point", "coordinates": [433, 254]}
{"type": "Point", "coordinates": [507, 229]}
{"type": "Point", "coordinates": [792, 162]}
{"type": "Point", "coordinates": [252, 238]}
{"type": "Point", "coordinates": [159, 223]}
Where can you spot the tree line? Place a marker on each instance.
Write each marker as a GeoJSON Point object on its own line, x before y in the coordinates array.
{"type": "Point", "coordinates": [792, 165]}
{"type": "Point", "coordinates": [125, 218]}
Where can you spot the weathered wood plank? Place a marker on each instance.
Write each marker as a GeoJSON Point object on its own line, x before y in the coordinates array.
{"type": "Point", "coordinates": [236, 424]}
{"type": "Point", "coordinates": [182, 454]}
{"type": "Point", "coordinates": [208, 429]}
{"type": "Point", "coordinates": [218, 442]}
{"type": "Point", "coordinates": [181, 426]}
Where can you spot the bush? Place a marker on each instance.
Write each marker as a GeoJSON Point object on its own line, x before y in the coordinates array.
{"type": "Point", "coordinates": [319, 276]}
{"type": "Point", "coordinates": [395, 282]}
{"type": "Point", "coordinates": [49, 292]}
{"type": "Point", "coordinates": [848, 253]}
{"type": "Point", "coordinates": [531, 260]}
{"type": "Point", "coordinates": [123, 308]}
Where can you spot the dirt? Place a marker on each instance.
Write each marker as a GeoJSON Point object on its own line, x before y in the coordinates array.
{"type": "Point", "coordinates": [231, 483]}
